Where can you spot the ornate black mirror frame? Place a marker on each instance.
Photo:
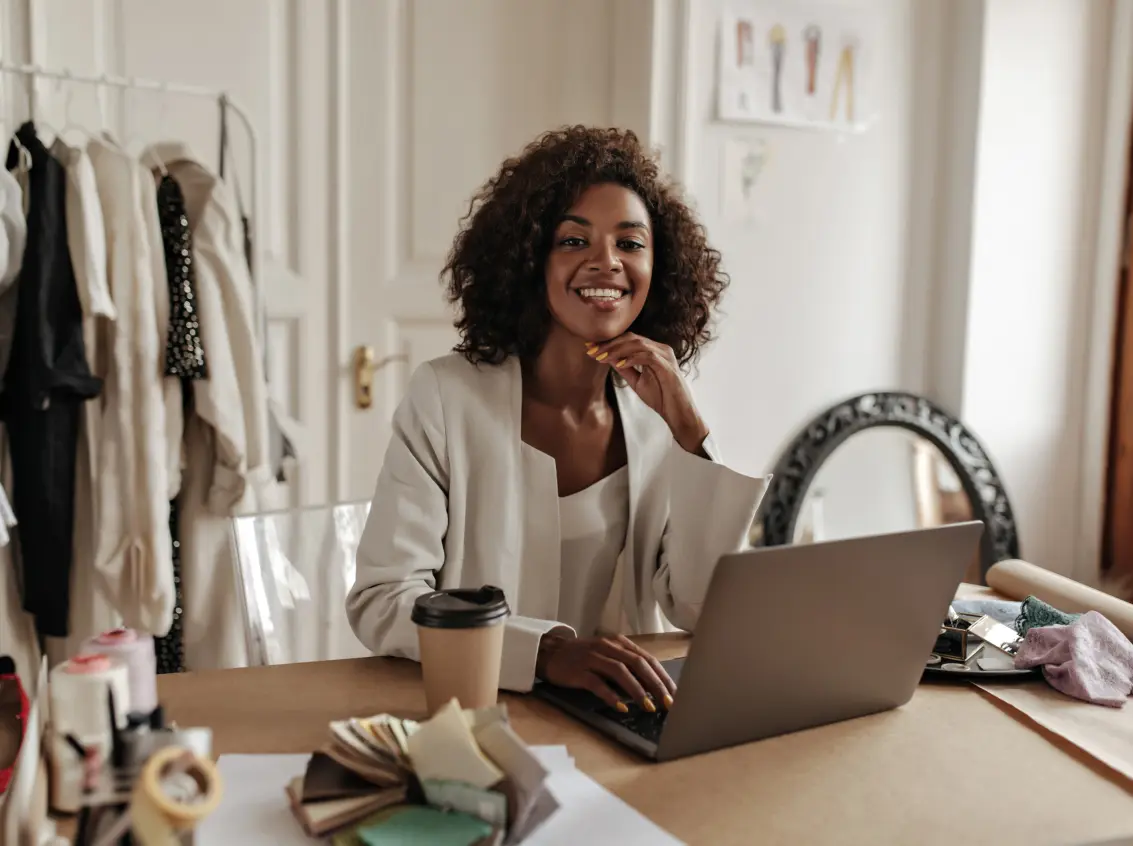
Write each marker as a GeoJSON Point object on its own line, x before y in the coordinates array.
{"type": "Point", "coordinates": [800, 462]}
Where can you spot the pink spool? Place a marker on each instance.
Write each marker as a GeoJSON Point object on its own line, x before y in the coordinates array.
{"type": "Point", "coordinates": [135, 652]}
{"type": "Point", "coordinates": [89, 664]}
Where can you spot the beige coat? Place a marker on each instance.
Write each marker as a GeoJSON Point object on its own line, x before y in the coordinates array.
{"type": "Point", "coordinates": [134, 556]}
{"type": "Point", "coordinates": [456, 506]}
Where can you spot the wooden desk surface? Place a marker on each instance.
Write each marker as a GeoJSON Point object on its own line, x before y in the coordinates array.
{"type": "Point", "coordinates": [952, 766]}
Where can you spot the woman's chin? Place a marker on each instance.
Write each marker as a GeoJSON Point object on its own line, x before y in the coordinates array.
{"type": "Point", "coordinates": [597, 330]}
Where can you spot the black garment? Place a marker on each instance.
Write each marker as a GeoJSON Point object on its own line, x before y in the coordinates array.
{"type": "Point", "coordinates": [184, 355]}
{"type": "Point", "coordinates": [45, 385]}
{"type": "Point", "coordinates": [170, 649]}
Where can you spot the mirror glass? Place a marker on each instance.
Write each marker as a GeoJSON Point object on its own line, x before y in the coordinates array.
{"type": "Point", "coordinates": [883, 479]}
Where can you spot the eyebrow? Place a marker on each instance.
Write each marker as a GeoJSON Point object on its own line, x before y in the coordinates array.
{"type": "Point", "coordinates": [625, 224]}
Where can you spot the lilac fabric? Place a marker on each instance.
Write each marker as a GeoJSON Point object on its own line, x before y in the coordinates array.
{"type": "Point", "coordinates": [1089, 659]}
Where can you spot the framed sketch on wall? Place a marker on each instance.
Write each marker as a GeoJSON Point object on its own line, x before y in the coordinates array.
{"type": "Point", "coordinates": [797, 64]}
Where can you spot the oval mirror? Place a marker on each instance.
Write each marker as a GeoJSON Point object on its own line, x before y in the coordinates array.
{"type": "Point", "coordinates": [887, 462]}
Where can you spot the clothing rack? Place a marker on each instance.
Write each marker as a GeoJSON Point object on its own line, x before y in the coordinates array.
{"type": "Point", "coordinates": [225, 104]}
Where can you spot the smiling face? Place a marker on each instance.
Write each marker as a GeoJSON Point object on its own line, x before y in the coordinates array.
{"type": "Point", "coordinates": [600, 264]}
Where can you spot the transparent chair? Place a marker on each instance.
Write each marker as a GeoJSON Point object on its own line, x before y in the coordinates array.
{"type": "Point", "coordinates": [295, 568]}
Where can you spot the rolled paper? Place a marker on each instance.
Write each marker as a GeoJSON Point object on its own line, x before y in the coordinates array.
{"type": "Point", "coordinates": [1017, 580]}
{"type": "Point", "coordinates": [135, 652]}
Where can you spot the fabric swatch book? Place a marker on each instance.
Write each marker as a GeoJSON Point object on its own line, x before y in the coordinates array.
{"type": "Point", "coordinates": [460, 774]}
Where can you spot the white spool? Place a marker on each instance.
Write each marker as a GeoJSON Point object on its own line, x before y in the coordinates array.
{"type": "Point", "coordinates": [135, 651]}
{"type": "Point", "coordinates": [79, 700]}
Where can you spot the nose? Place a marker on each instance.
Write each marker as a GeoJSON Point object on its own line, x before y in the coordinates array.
{"type": "Point", "coordinates": [605, 258]}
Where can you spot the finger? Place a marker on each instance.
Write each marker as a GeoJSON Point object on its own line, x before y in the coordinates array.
{"type": "Point", "coordinates": [631, 374]}
{"type": "Point", "coordinates": [658, 667]}
{"type": "Point", "coordinates": [637, 360]}
{"type": "Point", "coordinates": [596, 685]}
{"type": "Point", "coordinates": [617, 672]}
{"type": "Point", "coordinates": [618, 348]}
{"type": "Point", "coordinates": [640, 664]}
{"type": "Point", "coordinates": [653, 690]}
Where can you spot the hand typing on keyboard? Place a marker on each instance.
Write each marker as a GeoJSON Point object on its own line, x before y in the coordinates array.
{"type": "Point", "coordinates": [614, 669]}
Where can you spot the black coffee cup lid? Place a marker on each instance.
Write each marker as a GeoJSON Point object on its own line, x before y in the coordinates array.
{"type": "Point", "coordinates": [463, 608]}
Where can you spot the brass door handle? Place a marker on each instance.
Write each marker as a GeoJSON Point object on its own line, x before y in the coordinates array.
{"type": "Point", "coordinates": [366, 364]}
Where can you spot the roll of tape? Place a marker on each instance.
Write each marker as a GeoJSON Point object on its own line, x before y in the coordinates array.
{"type": "Point", "coordinates": [135, 651]}
{"type": "Point", "coordinates": [175, 791]}
{"type": "Point", "coordinates": [79, 698]}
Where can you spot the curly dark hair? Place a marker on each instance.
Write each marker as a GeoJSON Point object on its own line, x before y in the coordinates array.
{"type": "Point", "coordinates": [495, 271]}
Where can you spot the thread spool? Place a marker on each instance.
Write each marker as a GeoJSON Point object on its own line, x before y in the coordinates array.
{"type": "Point", "coordinates": [79, 698]}
{"type": "Point", "coordinates": [176, 790]}
{"type": "Point", "coordinates": [135, 651]}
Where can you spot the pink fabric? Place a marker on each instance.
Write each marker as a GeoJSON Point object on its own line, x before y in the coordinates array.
{"type": "Point", "coordinates": [1088, 659]}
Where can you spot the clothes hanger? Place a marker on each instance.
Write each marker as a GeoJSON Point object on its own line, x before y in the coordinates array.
{"type": "Point", "coordinates": [146, 154]}
{"type": "Point", "coordinates": [68, 120]}
{"type": "Point", "coordinates": [25, 159]}
{"type": "Point", "coordinates": [163, 93]}
{"type": "Point", "coordinates": [44, 129]}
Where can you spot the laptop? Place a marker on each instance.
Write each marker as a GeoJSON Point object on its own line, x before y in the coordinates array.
{"type": "Point", "coordinates": [793, 637]}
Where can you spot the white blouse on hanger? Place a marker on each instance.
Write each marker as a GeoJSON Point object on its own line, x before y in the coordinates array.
{"type": "Point", "coordinates": [13, 237]}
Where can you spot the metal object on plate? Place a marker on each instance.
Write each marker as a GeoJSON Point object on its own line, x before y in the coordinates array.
{"type": "Point", "coordinates": [1002, 637]}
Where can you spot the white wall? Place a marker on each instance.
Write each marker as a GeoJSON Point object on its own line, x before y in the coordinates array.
{"type": "Point", "coordinates": [830, 288]}
{"type": "Point", "coordinates": [948, 251]}
{"type": "Point", "coordinates": [1034, 234]}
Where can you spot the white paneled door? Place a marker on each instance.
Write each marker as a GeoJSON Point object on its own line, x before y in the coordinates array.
{"type": "Point", "coordinates": [377, 119]}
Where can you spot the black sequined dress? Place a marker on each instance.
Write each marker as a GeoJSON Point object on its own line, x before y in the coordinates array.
{"type": "Point", "coordinates": [184, 358]}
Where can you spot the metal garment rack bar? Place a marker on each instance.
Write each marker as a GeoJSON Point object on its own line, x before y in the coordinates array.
{"type": "Point", "coordinates": [225, 104]}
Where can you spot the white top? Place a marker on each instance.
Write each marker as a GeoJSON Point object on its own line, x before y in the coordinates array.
{"type": "Point", "coordinates": [592, 524]}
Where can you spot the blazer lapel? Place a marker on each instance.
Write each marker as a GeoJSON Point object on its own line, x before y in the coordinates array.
{"type": "Point", "coordinates": [537, 500]}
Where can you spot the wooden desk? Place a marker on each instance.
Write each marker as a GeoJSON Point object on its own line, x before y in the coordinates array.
{"type": "Point", "coordinates": [951, 767]}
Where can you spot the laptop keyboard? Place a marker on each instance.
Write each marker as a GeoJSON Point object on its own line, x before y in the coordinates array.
{"type": "Point", "coordinates": [638, 720]}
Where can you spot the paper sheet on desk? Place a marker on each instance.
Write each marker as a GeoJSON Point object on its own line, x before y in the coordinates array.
{"type": "Point", "coordinates": [588, 813]}
{"type": "Point", "coordinates": [253, 808]}
{"type": "Point", "coordinates": [1103, 733]}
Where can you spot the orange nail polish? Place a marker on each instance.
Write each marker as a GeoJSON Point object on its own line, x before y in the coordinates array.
{"type": "Point", "coordinates": [602, 357]}
{"type": "Point", "coordinates": [622, 709]}
{"type": "Point", "coordinates": [621, 363]}
{"type": "Point", "coordinates": [648, 705]}
{"type": "Point", "coordinates": [668, 701]}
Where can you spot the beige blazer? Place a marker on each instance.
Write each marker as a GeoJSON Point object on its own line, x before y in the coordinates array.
{"type": "Point", "coordinates": [456, 506]}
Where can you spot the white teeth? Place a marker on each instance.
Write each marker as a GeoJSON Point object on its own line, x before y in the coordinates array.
{"type": "Point", "coordinates": [601, 293]}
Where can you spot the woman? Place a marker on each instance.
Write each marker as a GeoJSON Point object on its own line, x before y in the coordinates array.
{"type": "Point", "coordinates": [557, 453]}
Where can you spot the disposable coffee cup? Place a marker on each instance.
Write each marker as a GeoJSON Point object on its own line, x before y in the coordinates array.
{"type": "Point", "coordinates": [461, 636]}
